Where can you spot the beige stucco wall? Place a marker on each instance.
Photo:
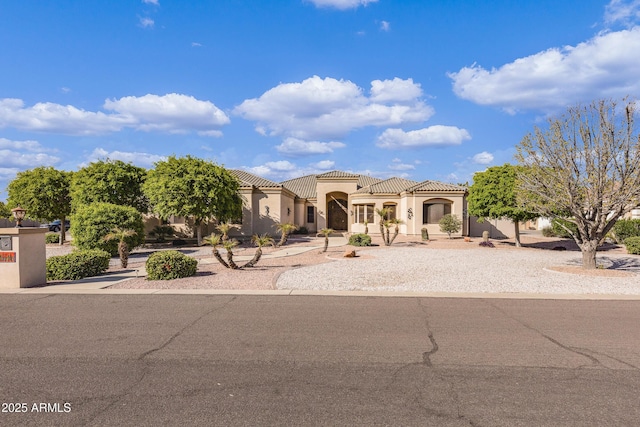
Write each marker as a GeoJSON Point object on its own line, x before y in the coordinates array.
{"type": "Point", "coordinates": [415, 201]}
{"type": "Point", "coordinates": [30, 266]}
{"type": "Point", "coordinates": [378, 200]}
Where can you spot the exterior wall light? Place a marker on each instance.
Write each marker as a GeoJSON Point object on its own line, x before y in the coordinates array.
{"type": "Point", "coordinates": [18, 214]}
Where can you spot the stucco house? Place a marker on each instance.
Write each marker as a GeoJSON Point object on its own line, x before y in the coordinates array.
{"type": "Point", "coordinates": [343, 201]}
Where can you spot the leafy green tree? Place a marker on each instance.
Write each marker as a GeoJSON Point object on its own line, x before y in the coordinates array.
{"type": "Point", "coordinates": [91, 223]}
{"type": "Point", "coordinates": [110, 181]}
{"type": "Point", "coordinates": [493, 195]}
{"type": "Point", "coordinates": [450, 224]}
{"type": "Point", "coordinates": [5, 212]}
{"type": "Point", "coordinates": [585, 164]}
{"type": "Point", "coordinates": [193, 188]}
{"type": "Point", "coordinates": [44, 193]}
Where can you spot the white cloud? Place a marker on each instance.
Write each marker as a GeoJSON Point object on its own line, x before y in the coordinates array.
{"type": "Point", "coordinates": [298, 147]}
{"type": "Point", "coordinates": [326, 108]}
{"type": "Point", "coordinates": [342, 4]}
{"type": "Point", "coordinates": [436, 135]}
{"type": "Point", "coordinates": [173, 113]}
{"type": "Point", "coordinates": [324, 164]}
{"type": "Point", "coordinates": [140, 159]}
{"type": "Point", "coordinates": [401, 167]}
{"type": "Point", "coordinates": [626, 12]}
{"type": "Point", "coordinates": [25, 154]}
{"type": "Point", "coordinates": [601, 67]}
{"type": "Point", "coordinates": [483, 158]}
{"type": "Point", "coordinates": [395, 90]}
{"type": "Point", "coordinates": [146, 22]}
{"type": "Point", "coordinates": [196, 44]}
{"type": "Point", "coordinates": [385, 26]}
{"type": "Point", "coordinates": [154, 2]}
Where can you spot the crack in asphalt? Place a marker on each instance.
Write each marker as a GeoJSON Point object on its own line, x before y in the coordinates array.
{"type": "Point", "coordinates": [426, 356]}
{"type": "Point", "coordinates": [594, 361]}
{"type": "Point", "coordinates": [178, 333]}
{"type": "Point", "coordinates": [145, 368]}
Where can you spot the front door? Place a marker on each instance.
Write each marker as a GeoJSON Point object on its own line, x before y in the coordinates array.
{"type": "Point", "coordinates": [337, 217]}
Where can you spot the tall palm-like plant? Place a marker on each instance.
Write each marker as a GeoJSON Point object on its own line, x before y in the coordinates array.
{"type": "Point", "coordinates": [214, 240]}
{"type": "Point", "coordinates": [121, 235]}
{"type": "Point", "coordinates": [224, 228]}
{"type": "Point", "coordinates": [326, 232]}
{"type": "Point", "coordinates": [396, 222]}
{"type": "Point", "coordinates": [382, 213]}
{"type": "Point", "coordinates": [259, 241]}
{"type": "Point", "coordinates": [285, 228]}
{"type": "Point", "coordinates": [228, 245]}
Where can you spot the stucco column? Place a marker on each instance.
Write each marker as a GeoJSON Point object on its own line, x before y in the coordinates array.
{"type": "Point", "coordinates": [22, 257]}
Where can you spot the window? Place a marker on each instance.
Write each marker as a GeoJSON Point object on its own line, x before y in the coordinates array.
{"type": "Point", "coordinates": [391, 211]}
{"type": "Point", "coordinates": [311, 218]}
{"type": "Point", "coordinates": [433, 212]}
{"type": "Point", "coordinates": [362, 213]}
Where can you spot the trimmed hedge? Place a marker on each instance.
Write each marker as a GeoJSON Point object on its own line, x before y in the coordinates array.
{"type": "Point", "coordinates": [625, 228]}
{"type": "Point", "coordinates": [77, 265]}
{"type": "Point", "coordinates": [360, 239]}
{"type": "Point", "coordinates": [91, 223]}
{"type": "Point", "coordinates": [52, 238]}
{"type": "Point", "coordinates": [167, 265]}
{"type": "Point", "coordinates": [633, 245]}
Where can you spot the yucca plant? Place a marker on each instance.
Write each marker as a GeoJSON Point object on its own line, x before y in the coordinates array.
{"type": "Point", "coordinates": [326, 232]}
{"type": "Point", "coordinates": [396, 230]}
{"type": "Point", "coordinates": [285, 228]}
{"type": "Point", "coordinates": [259, 241]}
{"type": "Point", "coordinates": [382, 213]}
{"type": "Point", "coordinates": [121, 235]}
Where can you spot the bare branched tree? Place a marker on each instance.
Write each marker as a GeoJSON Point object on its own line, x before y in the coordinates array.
{"type": "Point", "coordinates": [586, 167]}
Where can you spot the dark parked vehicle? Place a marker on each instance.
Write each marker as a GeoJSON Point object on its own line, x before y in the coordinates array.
{"type": "Point", "coordinates": [55, 225]}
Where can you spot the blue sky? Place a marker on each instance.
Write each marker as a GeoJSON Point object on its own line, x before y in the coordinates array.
{"type": "Point", "coordinates": [413, 88]}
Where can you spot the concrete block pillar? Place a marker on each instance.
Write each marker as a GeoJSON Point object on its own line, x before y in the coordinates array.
{"type": "Point", "coordinates": [23, 257]}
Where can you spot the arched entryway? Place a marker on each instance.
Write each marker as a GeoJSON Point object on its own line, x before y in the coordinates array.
{"type": "Point", "coordinates": [337, 213]}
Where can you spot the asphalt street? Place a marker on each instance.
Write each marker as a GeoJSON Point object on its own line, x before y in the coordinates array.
{"type": "Point", "coordinates": [149, 360]}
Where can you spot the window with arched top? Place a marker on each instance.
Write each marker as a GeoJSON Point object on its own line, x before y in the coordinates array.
{"type": "Point", "coordinates": [391, 210]}
{"type": "Point", "coordinates": [433, 210]}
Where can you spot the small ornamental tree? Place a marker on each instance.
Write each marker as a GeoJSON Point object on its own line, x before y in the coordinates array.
{"type": "Point", "coordinates": [193, 188]}
{"type": "Point", "coordinates": [450, 224]}
{"type": "Point", "coordinates": [121, 235]}
{"type": "Point", "coordinates": [110, 181]}
{"type": "Point", "coordinates": [326, 232]}
{"type": "Point", "coordinates": [44, 193]}
{"type": "Point", "coordinates": [585, 166]}
{"type": "Point", "coordinates": [285, 229]}
{"type": "Point", "coordinates": [90, 224]}
{"type": "Point", "coordinates": [493, 195]}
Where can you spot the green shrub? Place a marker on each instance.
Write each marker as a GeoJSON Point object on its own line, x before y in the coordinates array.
{"type": "Point", "coordinates": [301, 230]}
{"type": "Point", "coordinates": [167, 265]}
{"type": "Point", "coordinates": [52, 238]}
{"type": "Point", "coordinates": [633, 245]}
{"type": "Point", "coordinates": [90, 223]}
{"type": "Point", "coordinates": [77, 265]}
{"type": "Point", "coordinates": [450, 224]}
{"type": "Point", "coordinates": [548, 231]}
{"type": "Point", "coordinates": [360, 239]}
{"type": "Point", "coordinates": [559, 231]}
{"type": "Point", "coordinates": [161, 232]}
{"type": "Point", "coordinates": [625, 228]}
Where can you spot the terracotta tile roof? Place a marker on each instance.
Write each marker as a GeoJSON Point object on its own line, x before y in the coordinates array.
{"type": "Point", "coordinates": [338, 174]}
{"type": "Point", "coordinates": [367, 180]}
{"type": "Point", "coordinates": [429, 185]}
{"type": "Point", "coordinates": [250, 180]}
{"type": "Point", "coordinates": [303, 187]}
{"type": "Point", "coordinates": [388, 186]}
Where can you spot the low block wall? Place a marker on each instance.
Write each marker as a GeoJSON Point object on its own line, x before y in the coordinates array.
{"type": "Point", "coordinates": [22, 257]}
